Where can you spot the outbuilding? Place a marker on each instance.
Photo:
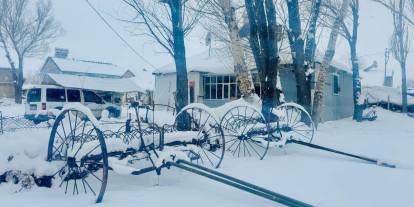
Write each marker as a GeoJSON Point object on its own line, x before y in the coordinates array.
{"type": "Point", "coordinates": [111, 82]}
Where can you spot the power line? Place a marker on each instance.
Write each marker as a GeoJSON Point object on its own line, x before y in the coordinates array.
{"type": "Point", "coordinates": [117, 34]}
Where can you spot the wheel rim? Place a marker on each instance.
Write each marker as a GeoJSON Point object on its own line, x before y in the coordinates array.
{"type": "Point", "coordinates": [207, 137]}
{"type": "Point", "coordinates": [79, 151]}
{"type": "Point", "coordinates": [246, 132]}
{"type": "Point", "coordinates": [295, 123]}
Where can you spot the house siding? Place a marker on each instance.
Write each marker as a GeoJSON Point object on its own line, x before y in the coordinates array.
{"type": "Point", "coordinates": [335, 106]}
{"type": "Point", "coordinates": [165, 87]}
{"type": "Point", "coordinates": [6, 83]}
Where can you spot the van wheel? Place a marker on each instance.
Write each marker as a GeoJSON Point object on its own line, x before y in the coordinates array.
{"type": "Point", "coordinates": [114, 112]}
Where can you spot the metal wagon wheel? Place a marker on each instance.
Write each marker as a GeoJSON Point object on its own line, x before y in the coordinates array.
{"type": "Point", "coordinates": [203, 136]}
{"type": "Point", "coordinates": [78, 150]}
{"type": "Point", "coordinates": [246, 131]}
{"type": "Point", "coordinates": [295, 122]}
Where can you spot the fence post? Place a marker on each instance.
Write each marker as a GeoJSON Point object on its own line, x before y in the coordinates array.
{"type": "Point", "coordinates": [1, 122]}
{"type": "Point", "coordinates": [388, 103]}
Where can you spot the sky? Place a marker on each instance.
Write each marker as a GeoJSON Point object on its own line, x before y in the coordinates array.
{"type": "Point", "coordinates": [87, 37]}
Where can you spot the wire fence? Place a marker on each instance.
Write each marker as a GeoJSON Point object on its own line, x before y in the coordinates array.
{"type": "Point", "coordinates": [15, 123]}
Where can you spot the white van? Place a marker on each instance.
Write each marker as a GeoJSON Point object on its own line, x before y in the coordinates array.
{"type": "Point", "coordinates": [42, 98]}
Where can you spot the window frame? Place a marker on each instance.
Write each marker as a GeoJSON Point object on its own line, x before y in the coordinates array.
{"type": "Point", "coordinates": [338, 91]}
{"type": "Point", "coordinates": [214, 82]}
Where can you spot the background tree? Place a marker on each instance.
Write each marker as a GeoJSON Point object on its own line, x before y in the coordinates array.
{"type": "Point", "coordinates": [411, 2]}
{"type": "Point", "coordinates": [389, 4]}
{"type": "Point", "coordinates": [168, 22]}
{"type": "Point", "coordinates": [400, 44]}
{"type": "Point", "coordinates": [263, 43]}
{"type": "Point", "coordinates": [327, 60]}
{"type": "Point", "coordinates": [25, 33]}
{"type": "Point", "coordinates": [349, 30]}
{"type": "Point", "coordinates": [400, 41]}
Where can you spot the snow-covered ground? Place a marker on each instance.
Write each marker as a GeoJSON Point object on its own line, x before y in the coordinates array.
{"type": "Point", "coordinates": [309, 175]}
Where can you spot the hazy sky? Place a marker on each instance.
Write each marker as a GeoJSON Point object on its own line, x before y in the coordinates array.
{"type": "Point", "coordinates": [87, 37]}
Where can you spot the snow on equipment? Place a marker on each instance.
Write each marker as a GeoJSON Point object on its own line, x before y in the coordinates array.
{"type": "Point", "coordinates": [83, 152]}
{"type": "Point", "coordinates": [248, 134]}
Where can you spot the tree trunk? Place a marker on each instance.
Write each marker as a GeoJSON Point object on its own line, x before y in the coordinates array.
{"type": "Point", "coordinates": [243, 75]}
{"type": "Point", "coordinates": [263, 42]}
{"type": "Point", "coordinates": [356, 80]}
{"type": "Point", "coordinates": [272, 93]}
{"type": "Point", "coordinates": [356, 84]}
{"type": "Point", "coordinates": [20, 81]}
{"type": "Point", "coordinates": [404, 87]}
{"type": "Point", "coordinates": [329, 54]}
{"type": "Point", "coordinates": [310, 49]}
{"type": "Point", "coordinates": [403, 56]}
{"type": "Point", "coordinates": [179, 58]}
{"type": "Point", "coordinates": [298, 55]}
{"type": "Point", "coordinates": [311, 35]}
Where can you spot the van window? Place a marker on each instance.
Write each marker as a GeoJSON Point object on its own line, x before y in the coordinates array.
{"type": "Point", "coordinates": [91, 97]}
{"type": "Point", "coordinates": [73, 95]}
{"type": "Point", "coordinates": [34, 95]}
{"type": "Point", "coordinates": [55, 95]}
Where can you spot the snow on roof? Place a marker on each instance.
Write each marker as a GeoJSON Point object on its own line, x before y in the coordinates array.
{"type": "Point", "coordinates": [82, 66]}
{"type": "Point", "coordinates": [218, 61]}
{"type": "Point", "coordinates": [376, 94]}
{"type": "Point", "coordinates": [93, 83]}
{"type": "Point", "coordinates": [213, 61]}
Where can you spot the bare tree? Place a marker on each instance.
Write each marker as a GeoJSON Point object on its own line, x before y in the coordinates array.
{"type": "Point", "coordinates": [302, 56]}
{"type": "Point", "coordinates": [389, 5]}
{"type": "Point", "coordinates": [25, 33]}
{"type": "Point", "coordinates": [168, 22]}
{"type": "Point", "coordinates": [400, 40]}
{"type": "Point", "coordinates": [328, 57]}
{"type": "Point", "coordinates": [263, 43]}
{"type": "Point", "coordinates": [400, 44]}
{"type": "Point", "coordinates": [223, 22]}
{"type": "Point", "coordinates": [411, 2]}
{"type": "Point", "coordinates": [349, 30]}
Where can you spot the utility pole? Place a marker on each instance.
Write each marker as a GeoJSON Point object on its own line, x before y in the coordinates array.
{"type": "Point", "coordinates": [386, 59]}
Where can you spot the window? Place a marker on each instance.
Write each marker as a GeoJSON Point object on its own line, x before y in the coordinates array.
{"type": "Point", "coordinates": [192, 94]}
{"type": "Point", "coordinates": [91, 97]}
{"type": "Point", "coordinates": [34, 95]}
{"type": "Point", "coordinates": [220, 87]}
{"type": "Point", "coordinates": [55, 95]}
{"type": "Point", "coordinates": [73, 95]}
{"type": "Point", "coordinates": [336, 88]}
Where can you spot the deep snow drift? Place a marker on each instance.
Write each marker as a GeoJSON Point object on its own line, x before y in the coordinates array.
{"type": "Point", "coordinates": [309, 175]}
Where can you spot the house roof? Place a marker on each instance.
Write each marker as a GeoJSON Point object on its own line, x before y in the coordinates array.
{"type": "Point", "coordinates": [98, 84]}
{"type": "Point", "coordinates": [219, 61]}
{"type": "Point", "coordinates": [213, 61]}
{"type": "Point", "coordinates": [376, 94]}
{"type": "Point", "coordinates": [83, 66]}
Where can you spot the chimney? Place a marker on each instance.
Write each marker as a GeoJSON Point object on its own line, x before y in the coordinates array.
{"type": "Point", "coordinates": [61, 53]}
